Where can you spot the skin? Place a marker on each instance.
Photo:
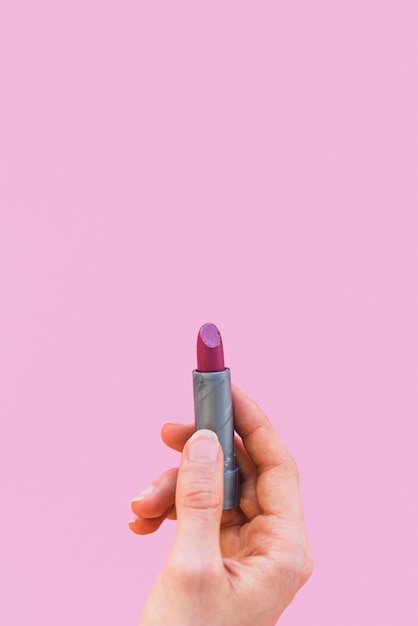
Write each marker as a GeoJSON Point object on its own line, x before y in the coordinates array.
{"type": "Point", "coordinates": [240, 567]}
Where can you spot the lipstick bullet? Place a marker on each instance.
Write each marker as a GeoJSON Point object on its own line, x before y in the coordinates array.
{"type": "Point", "coordinates": [213, 405]}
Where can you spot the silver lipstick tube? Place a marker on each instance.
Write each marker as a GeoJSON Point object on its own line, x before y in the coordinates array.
{"type": "Point", "coordinates": [213, 410]}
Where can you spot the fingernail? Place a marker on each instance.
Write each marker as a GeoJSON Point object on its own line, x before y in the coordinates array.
{"type": "Point", "coordinates": [171, 424]}
{"type": "Point", "coordinates": [144, 494]}
{"type": "Point", "coordinates": [203, 446]}
{"type": "Point", "coordinates": [133, 526]}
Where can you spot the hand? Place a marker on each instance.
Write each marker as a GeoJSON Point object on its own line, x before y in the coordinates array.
{"type": "Point", "coordinates": [240, 567]}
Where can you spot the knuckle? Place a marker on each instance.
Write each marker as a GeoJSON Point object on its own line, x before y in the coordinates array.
{"type": "Point", "coordinates": [201, 498]}
{"type": "Point", "coordinates": [286, 464]}
{"type": "Point", "coordinates": [290, 465]}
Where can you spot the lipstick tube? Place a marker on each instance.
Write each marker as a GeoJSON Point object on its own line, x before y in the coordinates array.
{"type": "Point", "coordinates": [214, 411]}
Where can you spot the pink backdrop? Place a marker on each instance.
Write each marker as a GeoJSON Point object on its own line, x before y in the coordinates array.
{"type": "Point", "coordinates": [166, 164]}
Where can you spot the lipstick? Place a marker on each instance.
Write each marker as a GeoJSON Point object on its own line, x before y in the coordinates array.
{"type": "Point", "coordinates": [213, 405]}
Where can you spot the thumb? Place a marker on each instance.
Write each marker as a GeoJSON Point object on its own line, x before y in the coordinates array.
{"type": "Point", "coordinates": [199, 499]}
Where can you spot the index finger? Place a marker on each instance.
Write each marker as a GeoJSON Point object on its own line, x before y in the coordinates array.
{"type": "Point", "coordinates": [278, 479]}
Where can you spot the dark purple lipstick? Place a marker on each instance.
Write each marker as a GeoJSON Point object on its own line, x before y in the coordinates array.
{"type": "Point", "coordinates": [210, 351]}
{"type": "Point", "coordinates": [213, 404]}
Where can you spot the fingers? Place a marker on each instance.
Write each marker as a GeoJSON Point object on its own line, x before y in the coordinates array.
{"type": "Point", "coordinates": [278, 483]}
{"type": "Point", "coordinates": [269, 478]}
{"type": "Point", "coordinates": [154, 504]}
{"type": "Point", "coordinates": [157, 503]}
{"type": "Point", "coordinates": [199, 501]}
{"type": "Point", "coordinates": [260, 439]}
{"type": "Point", "coordinates": [175, 435]}
{"type": "Point", "coordinates": [145, 526]}
{"type": "Point", "coordinates": [248, 476]}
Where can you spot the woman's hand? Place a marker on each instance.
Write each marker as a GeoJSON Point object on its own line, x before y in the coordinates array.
{"type": "Point", "coordinates": [239, 567]}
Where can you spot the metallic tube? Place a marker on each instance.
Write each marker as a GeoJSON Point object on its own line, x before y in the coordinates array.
{"type": "Point", "coordinates": [214, 411]}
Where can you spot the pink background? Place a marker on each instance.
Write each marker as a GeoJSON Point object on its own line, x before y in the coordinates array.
{"type": "Point", "coordinates": [166, 164]}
